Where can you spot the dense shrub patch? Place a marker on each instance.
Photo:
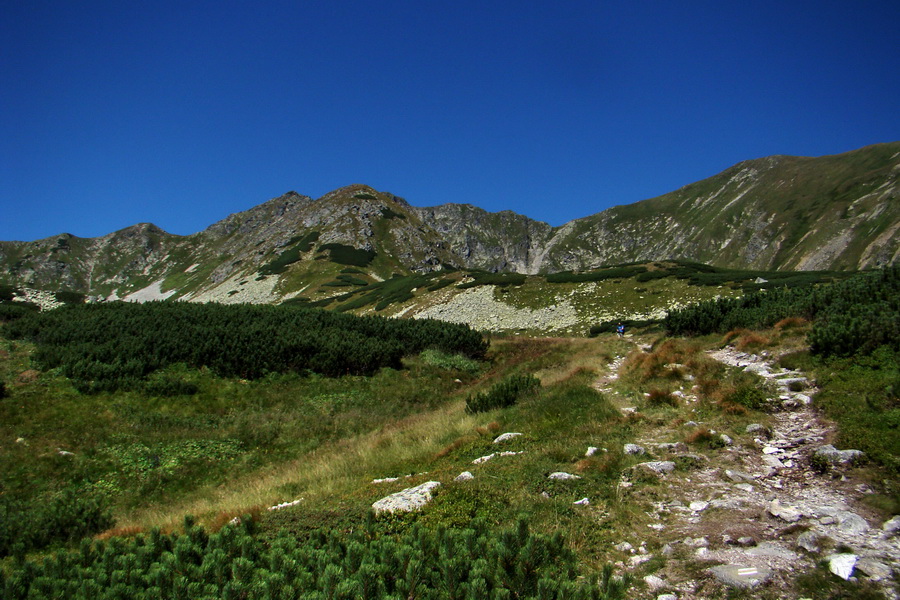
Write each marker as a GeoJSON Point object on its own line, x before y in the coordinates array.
{"type": "Point", "coordinates": [506, 393]}
{"type": "Point", "coordinates": [115, 346]}
{"type": "Point", "coordinates": [853, 316]}
{"type": "Point", "coordinates": [348, 255]}
{"type": "Point", "coordinates": [424, 564]}
{"type": "Point", "coordinates": [10, 311]}
{"type": "Point", "coordinates": [296, 246]}
{"type": "Point", "coordinates": [67, 516]}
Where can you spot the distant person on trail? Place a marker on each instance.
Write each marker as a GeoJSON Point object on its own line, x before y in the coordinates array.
{"type": "Point", "coordinates": [620, 330]}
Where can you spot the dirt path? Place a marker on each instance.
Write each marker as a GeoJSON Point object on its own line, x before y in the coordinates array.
{"type": "Point", "coordinates": [758, 511]}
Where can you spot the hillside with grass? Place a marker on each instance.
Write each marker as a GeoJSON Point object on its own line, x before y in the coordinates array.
{"type": "Point", "coordinates": [143, 457]}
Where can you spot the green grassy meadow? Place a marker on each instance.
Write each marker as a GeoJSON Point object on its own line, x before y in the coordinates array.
{"type": "Point", "coordinates": [135, 463]}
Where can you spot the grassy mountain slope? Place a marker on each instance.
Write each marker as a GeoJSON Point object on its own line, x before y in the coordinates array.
{"type": "Point", "coordinates": [780, 212]}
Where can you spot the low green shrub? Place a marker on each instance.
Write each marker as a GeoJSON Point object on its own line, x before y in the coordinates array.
{"type": "Point", "coordinates": [64, 517]}
{"type": "Point", "coordinates": [504, 394]}
{"type": "Point", "coordinates": [749, 396]}
{"type": "Point", "coordinates": [451, 362]}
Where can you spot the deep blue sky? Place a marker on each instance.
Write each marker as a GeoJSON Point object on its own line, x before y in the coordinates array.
{"type": "Point", "coordinates": [179, 113]}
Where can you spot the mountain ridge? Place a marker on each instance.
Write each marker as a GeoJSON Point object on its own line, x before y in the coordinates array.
{"type": "Point", "coordinates": [777, 212]}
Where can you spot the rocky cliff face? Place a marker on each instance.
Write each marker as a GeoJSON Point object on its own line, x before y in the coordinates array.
{"type": "Point", "coordinates": [502, 241]}
{"type": "Point", "coordinates": [833, 212]}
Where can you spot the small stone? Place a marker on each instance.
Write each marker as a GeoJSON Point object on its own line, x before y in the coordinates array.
{"type": "Point", "coordinates": [698, 506]}
{"type": "Point", "coordinates": [582, 502]}
{"type": "Point", "coordinates": [785, 513]}
{"type": "Point", "coordinates": [771, 450]}
{"type": "Point", "coordinates": [624, 547]}
{"type": "Point", "coordinates": [655, 583]}
{"type": "Point", "coordinates": [773, 462]}
{"type": "Point", "coordinates": [744, 487]}
{"type": "Point", "coordinates": [700, 542]}
{"type": "Point", "coordinates": [667, 597]}
{"type": "Point", "coordinates": [634, 449]}
{"type": "Point", "coordinates": [726, 440]}
{"type": "Point", "coordinates": [639, 559]}
{"type": "Point", "coordinates": [755, 428]}
{"type": "Point", "coordinates": [505, 437]}
{"type": "Point", "coordinates": [561, 476]}
{"type": "Point", "coordinates": [691, 424]}
{"type": "Point", "coordinates": [592, 450]}
{"type": "Point", "coordinates": [746, 541]}
{"type": "Point", "coordinates": [738, 476]}
{"type": "Point", "coordinates": [464, 476]}
{"type": "Point", "coordinates": [483, 459]}
{"type": "Point", "coordinates": [842, 564]}
{"type": "Point", "coordinates": [386, 480]}
{"type": "Point", "coordinates": [808, 541]}
{"type": "Point", "coordinates": [65, 453]}
{"type": "Point", "coordinates": [826, 520]}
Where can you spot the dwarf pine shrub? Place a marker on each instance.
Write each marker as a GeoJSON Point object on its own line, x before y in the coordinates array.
{"type": "Point", "coordinates": [437, 564]}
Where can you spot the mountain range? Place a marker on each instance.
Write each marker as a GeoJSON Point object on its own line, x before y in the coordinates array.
{"type": "Point", "coordinates": [837, 212]}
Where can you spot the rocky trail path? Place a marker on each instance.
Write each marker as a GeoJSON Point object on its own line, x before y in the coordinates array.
{"type": "Point", "coordinates": [769, 505]}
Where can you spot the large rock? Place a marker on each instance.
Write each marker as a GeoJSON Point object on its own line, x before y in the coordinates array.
{"type": "Point", "coordinates": [832, 455]}
{"type": "Point", "coordinates": [850, 523]}
{"type": "Point", "coordinates": [842, 564]}
{"type": "Point", "coordinates": [741, 576]}
{"type": "Point", "coordinates": [656, 467]}
{"type": "Point", "coordinates": [407, 500]}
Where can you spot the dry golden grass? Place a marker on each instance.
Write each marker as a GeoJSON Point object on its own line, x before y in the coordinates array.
{"type": "Point", "coordinates": [698, 436]}
{"type": "Point", "coordinates": [790, 323]}
{"type": "Point", "coordinates": [335, 470]}
{"type": "Point", "coordinates": [120, 532]}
